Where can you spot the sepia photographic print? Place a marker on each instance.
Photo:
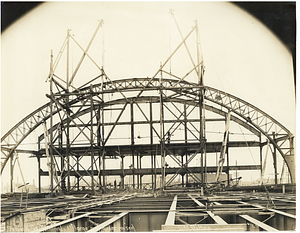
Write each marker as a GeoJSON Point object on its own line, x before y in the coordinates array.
{"type": "Point", "coordinates": [148, 116]}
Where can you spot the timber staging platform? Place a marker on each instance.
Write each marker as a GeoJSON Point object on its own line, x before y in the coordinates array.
{"type": "Point", "coordinates": [172, 210]}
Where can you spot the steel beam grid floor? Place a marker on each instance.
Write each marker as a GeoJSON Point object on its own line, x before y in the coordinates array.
{"type": "Point", "coordinates": [185, 211]}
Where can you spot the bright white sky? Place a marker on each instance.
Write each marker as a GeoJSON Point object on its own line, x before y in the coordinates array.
{"type": "Point", "coordinates": [241, 56]}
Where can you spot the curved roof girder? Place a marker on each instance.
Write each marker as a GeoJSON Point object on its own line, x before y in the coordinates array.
{"type": "Point", "coordinates": [257, 119]}
{"type": "Point", "coordinates": [250, 113]}
{"type": "Point", "coordinates": [155, 99]}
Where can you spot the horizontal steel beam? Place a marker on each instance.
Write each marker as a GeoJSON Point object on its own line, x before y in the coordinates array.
{"type": "Point", "coordinates": [148, 149]}
{"type": "Point", "coordinates": [149, 171]}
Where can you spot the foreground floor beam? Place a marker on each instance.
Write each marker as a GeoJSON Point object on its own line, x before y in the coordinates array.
{"type": "Point", "coordinates": [171, 215]}
{"type": "Point", "coordinates": [108, 222]}
{"type": "Point", "coordinates": [258, 223]}
{"type": "Point", "coordinates": [216, 218]}
{"type": "Point", "coordinates": [69, 223]}
{"type": "Point", "coordinates": [203, 227]}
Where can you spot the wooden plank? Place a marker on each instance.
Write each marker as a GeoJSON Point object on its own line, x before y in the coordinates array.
{"type": "Point", "coordinates": [107, 222]}
{"type": "Point", "coordinates": [258, 223]}
{"type": "Point", "coordinates": [47, 228]}
{"type": "Point", "coordinates": [171, 215]}
{"type": "Point", "coordinates": [204, 227]}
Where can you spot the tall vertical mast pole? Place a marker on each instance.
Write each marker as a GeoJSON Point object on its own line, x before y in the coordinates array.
{"type": "Point", "coordinates": [68, 56]}
{"type": "Point", "coordinates": [68, 111]}
{"type": "Point", "coordinates": [51, 125]}
{"type": "Point", "coordinates": [200, 72]}
{"type": "Point", "coordinates": [162, 133]}
{"type": "Point", "coordinates": [200, 84]}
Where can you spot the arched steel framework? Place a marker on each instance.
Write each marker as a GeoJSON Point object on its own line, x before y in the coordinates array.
{"type": "Point", "coordinates": [72, 109]}
{"type": "Point", "coordinates": [79, 124]}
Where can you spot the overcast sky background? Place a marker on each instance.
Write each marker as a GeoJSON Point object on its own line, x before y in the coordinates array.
{"type": "Point", "coordinates": [241, 56]}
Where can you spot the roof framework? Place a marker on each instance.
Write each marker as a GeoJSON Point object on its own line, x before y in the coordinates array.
{"type": "Point", "coordinates": [172, 112]}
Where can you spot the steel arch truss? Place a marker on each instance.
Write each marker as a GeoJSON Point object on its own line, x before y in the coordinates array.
{"type": "Point", "coordinates": [120, 96]}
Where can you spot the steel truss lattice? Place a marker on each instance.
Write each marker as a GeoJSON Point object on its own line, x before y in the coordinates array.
{"type": "Point", "coordinates": [169, 109]}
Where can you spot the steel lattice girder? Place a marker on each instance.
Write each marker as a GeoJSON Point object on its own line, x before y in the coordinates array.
{"type": "Point", "coordinates": [186, 91]}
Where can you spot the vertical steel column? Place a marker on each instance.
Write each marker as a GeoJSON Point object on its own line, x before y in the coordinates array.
{"type": "Point", "coordinates": [103, 169]}
{"type": "Point", "coordinates": [39, 165]}
{"type": "Point", "coordinates": [138, 169]}
{"type": "Point", "coordinates": [77, 167]}
{"type": "Point", "coordinates": [39, 172]}
{"type": "Point", "coordinates": [11, 173]}
{"type": "Point", "coordinates": [132, 142]}
{"type": "Point", "coordinates": [201, 134]}
{"type": "Point", "coordinates": [92, 141]}
{"type": "Point", "coordinates": [122, 168]}
{"type": "Point", "coordinates": [141, 176]}
{"type": "Point", "coordinates": [68, 145]}
{"type": "Point", "coordinates": [274, 158]}
{"type": "Point", "coordinates": [151, 147]}
{"type": "Point", "coordinates": [182, 176]}
{"type": "Point", "coordinates": [260, 154]}
{"type": "Point", "coordinates": [185, 140]}
{"type": "Point", "coordinates": [227, 153]}
{"type": "Point", "coordinates": [98, 142]}
{"type": "Point", "coordinates": [291, 162]}
{"type": "Point", "coordinates": [186, 175]}
{"type": "Point", "coordinates": [185, 126]}
{"type": "Point", "coordinates": [62, 164]}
